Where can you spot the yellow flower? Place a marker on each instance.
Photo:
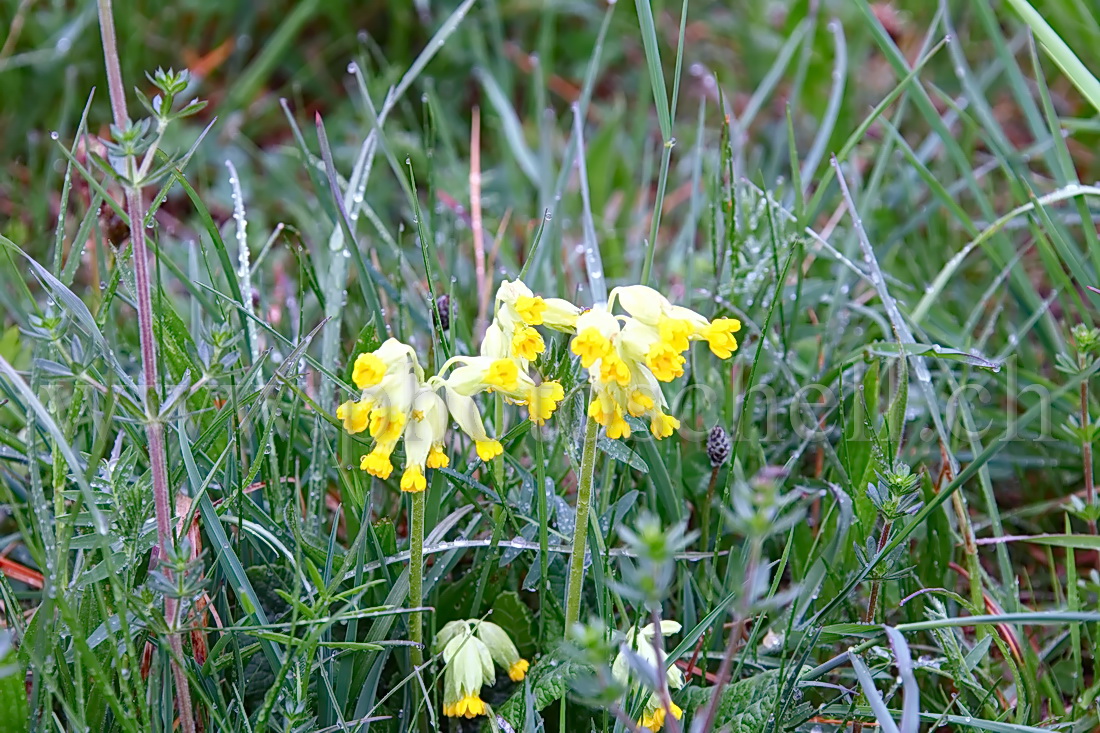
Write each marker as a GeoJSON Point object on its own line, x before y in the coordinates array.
{"type": "Point", "coordinates": [530, 309]}
{"type": "Point", "coordinates": [502, 649]}
{"type": "Point", "coordinates": [543, 400]}
{"type": "Point", "coordinates": [466, 413]}
{"type": "Point", "coordinates": [640, 643]}
{"type": "Point", "coordinates": [413, 479]}
{"type": "Point", "coordinates": [518, 670]}
{"type": "Point", "coordinates": [665, 362]}
{"type": "Point", "coordinates": [597, 329]}
{"type": "Point", "coordinates": [719, 334]}
{"type": "Point", "coordinates": [663, 425]}
{"type": "Point", "coordinates": [527, 343]}
{"type": "Point", "coordinates": [377, 462]}
{"type": "Point", "coordinates": [386, 424]}
{"type": "Point", "coordinates": [369, 370]}
{"type": "Point", "coordinates": [502, 373]}
{"type": "Point", "coordinates": [356, 415]}
{"type": "Point", "coordinates": [487, 450]}
{"type": "Point", "coordinates": [614, 369]}
{"type": "Point", "coordinates": [469, 706]}
{"type": "Point", "coordinates": [618, 427]}
{"type": "Point", "coordinates": [590, 345]}
{"type": "Point", "coordinates": [468, 666]}
{"type": "Point", "coordinates": [516, 304]}
{"type": "Point", "coordinates": [654, 719]}
{"type": "Point", "coordinates": [437, 457]}
{"type": "Point", "coordinates": [640, 403]}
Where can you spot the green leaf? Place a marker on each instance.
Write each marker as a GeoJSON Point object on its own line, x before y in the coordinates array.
{"type": "Point", "coordinates": [513, 615]}
{"type": "Point", "coordinates": [13, 692]}
{"type": "Point", "coordinates": [547, 682]}
{"type": "Point", "coordinates": [617, 450]}
{"type": "Point", "coordinates": [745, 705]}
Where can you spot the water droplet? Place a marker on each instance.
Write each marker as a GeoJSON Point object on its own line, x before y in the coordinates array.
{"type": "Point", "coordinates": [54, 135]}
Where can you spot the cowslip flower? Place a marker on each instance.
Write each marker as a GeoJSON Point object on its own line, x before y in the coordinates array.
{"type": "Point", "coordinates": [670, 327]}
{"type": "Point", "coordinates": [622, 382]}
{"type": "Point", "coordinates": [397, 404]}
{"type": "Point", "coordinates": [517, 305]}
{"type": "Point", "coordinates": [469, 649]}
{"type": "Point", "coordinates": [504, 375]}
{"type": "Point", "coordinates": [640, 642]}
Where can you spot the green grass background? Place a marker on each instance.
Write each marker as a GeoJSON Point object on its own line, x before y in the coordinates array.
{"type": "Point", "coordinates": [958, 128]}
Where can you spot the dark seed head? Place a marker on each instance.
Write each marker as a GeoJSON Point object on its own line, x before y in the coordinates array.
{"type": "Point", "coordinates": [718, 446]}
{"type": "Point", "coordinates": [443, 303]}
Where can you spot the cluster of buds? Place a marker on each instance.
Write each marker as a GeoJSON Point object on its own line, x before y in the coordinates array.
{"type": "Point", "coordinates": [626, 356]}
{"type": "Point", "coordinates": [638, 650]}
{"type": "Point", "coordinates": [469, 649]}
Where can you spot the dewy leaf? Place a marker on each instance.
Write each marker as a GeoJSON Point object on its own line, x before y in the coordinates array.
{"type": "Point", "coordinates": [615, 449]}
{"type": "Point", "coordinates": [547, 681]}
{"type": "Point", "coordinates": [745, 706]}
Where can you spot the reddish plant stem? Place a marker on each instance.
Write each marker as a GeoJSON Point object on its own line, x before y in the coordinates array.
{"type": "Point", "coordinates": [154, 429]}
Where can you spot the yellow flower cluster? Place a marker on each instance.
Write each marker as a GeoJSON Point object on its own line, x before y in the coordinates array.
{"type": "Point", "coordinates": [398, 403]}
{"type": "Point", "coordinates": [626, 356]}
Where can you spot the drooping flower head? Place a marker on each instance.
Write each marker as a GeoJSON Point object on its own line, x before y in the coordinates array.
{"type": "Point", "coordinates": [396, 403]}
{"type": "Point", "coordinates": [517, 305]}
{"type": "Point", "coordinates": [622, 383]}
{"type": "Point", "coordinates": [627, 355]}
{"type": "Point", "coordinates": [640, 642]}
{"type": "Point", "coordinates": [469, 649]}
{"type": "Point", "coordinates": [674, 325]}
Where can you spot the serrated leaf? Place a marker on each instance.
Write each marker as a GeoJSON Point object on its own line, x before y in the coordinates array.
{"type": "Point", "coordinates": [547, 682]}
{"type": "Point", "coordinates": [512, 614]}
{"type": "Point", "coordinates": [745, 706]}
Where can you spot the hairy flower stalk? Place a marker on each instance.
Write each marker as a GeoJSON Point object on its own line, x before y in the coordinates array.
{"type": "Point", "coordinates": [580, 526]}
{"type": "Point", "coordinates": [154, 429]}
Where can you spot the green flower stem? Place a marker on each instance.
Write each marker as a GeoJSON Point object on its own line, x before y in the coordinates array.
{"type": "Point", "coordinates": [580, 528]}
{"type": "Point", "coordinates": [544, 529]}
{"type": "Point", "coordinates": [416, 578]}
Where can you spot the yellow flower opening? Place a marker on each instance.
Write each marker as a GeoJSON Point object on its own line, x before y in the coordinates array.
{"type": "Point", "coordinates": [470, 706]}
{"type": "Point", "coordinates": [377, 463]}
{"type": "Point", "coordinates": [487, 450]}
{"type": "Point", "coordinates": [654, 719]}
{"type": "Point", "coordinates": [590, 345]}
{"type": "Point", "coordinates": [437, 457]}
{"type": "Point", "coordinates": [675, 332]}
{"type": "Point", "coordinates": [618, 427]}
{"type": "Point", "coordinates": [530, 309]}
{"type": "Point", "coordinates": [639, 404]}
{"type": "Point", "coordinates": [527, 343]}
{"type": "Point", "coordinates": [719, 335]}
{"type": "Point", "coordinates": [614, 369]}
{"type": "Point", "coordinates": [386, 424]}
{"type": "Point", "coordinates": [356, 415]}
{"type": "Point", "coordinates": [502, 373]}
{"type": "Point", "coordinates": [369, 370]}
{"type": "Point", "coordinates": [413, 481]}
{"type": "Point", "coordinates": [665, 362]}
{"type": "Point", "coordinates": [518, 671]}
{"type": "Point", "coordinates": [543, 400]}
{"type": "Point", "coordinates": [663, 425]}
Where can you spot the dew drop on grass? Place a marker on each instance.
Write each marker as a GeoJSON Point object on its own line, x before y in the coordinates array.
{"type": "Point", "coordinates": [353, 67]}
{"type": "Point", "coordinates": [54, 135]}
